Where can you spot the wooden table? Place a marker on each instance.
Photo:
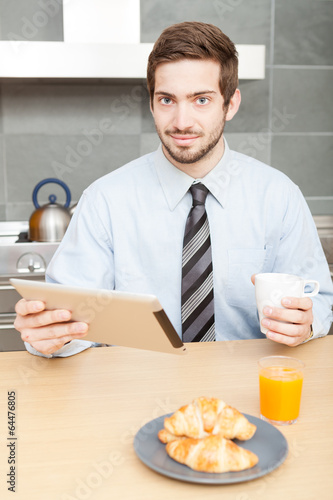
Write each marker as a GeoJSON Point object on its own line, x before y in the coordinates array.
{"type": "Point", "coordinates": [76, 419]}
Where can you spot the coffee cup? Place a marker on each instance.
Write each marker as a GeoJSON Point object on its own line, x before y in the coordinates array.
{"type": "Point", "coordinates": [270, 288]}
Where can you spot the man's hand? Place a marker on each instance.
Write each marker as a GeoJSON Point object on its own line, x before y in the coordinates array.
{"type": "Point", "coordinates": [292, 325]}
{"type": "Point", "coordinates": [47, 331]}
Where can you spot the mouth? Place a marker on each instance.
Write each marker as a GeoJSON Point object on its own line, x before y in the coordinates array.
{"type": "Point", "coordinates": [184, 140]}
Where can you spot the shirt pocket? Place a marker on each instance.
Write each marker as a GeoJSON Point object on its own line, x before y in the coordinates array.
{"type": "Point", "coordinates": [132, 280]}
{"type": "Point", "coordinates": [242, 263]}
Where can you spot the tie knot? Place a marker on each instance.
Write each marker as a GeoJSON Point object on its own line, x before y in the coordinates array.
{"type": "Point", "coordinates": [199, 194]}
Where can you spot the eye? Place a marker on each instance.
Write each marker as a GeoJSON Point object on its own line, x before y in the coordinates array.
{"type": "Point", "coordinates": [166, 100]}
{"type": "Point", "coordinates": [202, 100]}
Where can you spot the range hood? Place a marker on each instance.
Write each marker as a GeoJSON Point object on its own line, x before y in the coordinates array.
{"type": "Point", "coordinates": [97, 60]}
{"type": "Point", "coordinates": [101, 40]}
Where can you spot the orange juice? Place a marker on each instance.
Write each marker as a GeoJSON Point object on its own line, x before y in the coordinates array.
{"type": "Point", "coordinates": [280, 393]}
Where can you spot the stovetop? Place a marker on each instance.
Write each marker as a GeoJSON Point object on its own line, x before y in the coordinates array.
{"type": "Point", "coordinates": [18, 255]}
{"type": "Point", "coordinates": [10, 231]}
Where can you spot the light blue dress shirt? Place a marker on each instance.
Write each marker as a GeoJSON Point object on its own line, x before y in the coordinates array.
{"type": "Point", "coordinates": [127, 234]}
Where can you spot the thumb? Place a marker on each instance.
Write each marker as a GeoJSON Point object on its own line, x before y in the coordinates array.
{"type": "Point", "coordinates": [253, 278]}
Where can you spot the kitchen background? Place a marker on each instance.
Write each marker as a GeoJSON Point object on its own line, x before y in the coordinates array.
{"type": "Point", "coordinates": [285, 120]}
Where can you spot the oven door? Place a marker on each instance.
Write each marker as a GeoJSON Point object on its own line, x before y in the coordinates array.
{"type": "Point", "coordinates": [10, 338]}
{"type": "Point", "coordinates": [8, 297]}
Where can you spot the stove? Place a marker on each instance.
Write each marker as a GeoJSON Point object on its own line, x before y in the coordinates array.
{"type": "Point", "coordinates": [19, 258]}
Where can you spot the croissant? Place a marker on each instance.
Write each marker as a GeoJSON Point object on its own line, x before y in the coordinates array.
{"type": "Point", "coordinates": [206, 416]}
{"type": "Point", "coordinates": [167, 437]}
{"type": "Point", "coordinates": [213, 453]}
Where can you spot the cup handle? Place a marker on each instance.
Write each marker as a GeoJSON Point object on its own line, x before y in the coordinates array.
{"type": "Point", "coordinates": [316, 288]}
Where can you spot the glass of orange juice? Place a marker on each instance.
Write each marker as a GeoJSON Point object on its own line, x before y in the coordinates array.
{"type": "Point", "coordinates": [280, 387]}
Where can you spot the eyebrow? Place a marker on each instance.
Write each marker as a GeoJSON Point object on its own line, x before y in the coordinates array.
{"type": "Point", "coordinates": [188, 96]}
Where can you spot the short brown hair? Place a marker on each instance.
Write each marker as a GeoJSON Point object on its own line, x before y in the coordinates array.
{"type": "Point", "coordinates": [196, 40]}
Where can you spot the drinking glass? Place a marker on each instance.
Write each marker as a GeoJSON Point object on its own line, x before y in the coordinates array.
{"type": "Point", "coordinates": [280, 388]}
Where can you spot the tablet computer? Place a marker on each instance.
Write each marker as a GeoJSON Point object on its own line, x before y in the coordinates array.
{"type": "Point", "coordinates": [114, 317]}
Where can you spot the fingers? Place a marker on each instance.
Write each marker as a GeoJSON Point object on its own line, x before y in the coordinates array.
{"type": "Point", "coordinates": [286, 329]}
{"type": "Point", "coordinates": [43, 318]}
{"type": "Point", "coordinates": [291, 316]}
{"type": "Point", "coordinates": [291, 341]}
{"type": "Point", "coordinates": [298, 311]}
{"type": "Point", "coordinates": [46, 330]}
{"type": "Point", "coordinates": [55, 331]}
{"type": "Point", "coordinates": [303, 303]}
{"type": "Point", "coordinates": [284, 339]}
{"type": "Point", "coordinates": [24, 307]}
{"type": "Point", "coordinates": [290, 325]}
{"type": "Point", "coordinates": [50, 338]}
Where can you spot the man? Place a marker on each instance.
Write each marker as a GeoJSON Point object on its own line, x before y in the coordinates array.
{"type": "Point", "coordinates": [128, 230]}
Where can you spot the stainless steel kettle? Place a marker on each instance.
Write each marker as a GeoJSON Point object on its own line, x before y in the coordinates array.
{"type": "Point", "coordinates": [49, 222]}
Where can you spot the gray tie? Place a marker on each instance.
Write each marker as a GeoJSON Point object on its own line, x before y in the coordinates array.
{"type": "Point", "coordinates": [198, 323]}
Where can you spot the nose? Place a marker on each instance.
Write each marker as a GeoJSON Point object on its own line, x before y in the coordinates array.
{"type": "Point", "coordinates": [183, 118]}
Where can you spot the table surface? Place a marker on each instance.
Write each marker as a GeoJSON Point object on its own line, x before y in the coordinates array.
{"type": "Point", "coordinates": [76, 419]}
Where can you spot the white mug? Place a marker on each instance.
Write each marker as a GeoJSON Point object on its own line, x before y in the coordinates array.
{"type": "Point", "coordinates": [270, 288]}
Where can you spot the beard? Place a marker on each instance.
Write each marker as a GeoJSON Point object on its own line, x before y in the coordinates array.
{"type": "Point", "coordinates": [183, 154]}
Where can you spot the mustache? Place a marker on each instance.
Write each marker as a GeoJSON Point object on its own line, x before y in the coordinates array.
{"type": "Point", "coordinates": [177, 131]}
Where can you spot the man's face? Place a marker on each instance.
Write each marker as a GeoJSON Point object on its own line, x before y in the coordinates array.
{"type": "Point", "coordinates": [188, 110]}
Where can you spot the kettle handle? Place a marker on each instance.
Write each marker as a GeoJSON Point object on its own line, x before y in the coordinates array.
{"type": "Point", "coordinates": [56, 181]}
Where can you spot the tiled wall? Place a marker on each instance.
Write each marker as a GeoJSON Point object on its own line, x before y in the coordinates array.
{"type": "Point", "coordinates": [79, 131]}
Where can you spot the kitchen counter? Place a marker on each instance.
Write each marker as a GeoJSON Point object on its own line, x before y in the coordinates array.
{"type": "Point", "coordinates": [76, 419]}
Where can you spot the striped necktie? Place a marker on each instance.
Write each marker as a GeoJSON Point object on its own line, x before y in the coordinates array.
{"type": "Point", "coordinates": [198, 323]}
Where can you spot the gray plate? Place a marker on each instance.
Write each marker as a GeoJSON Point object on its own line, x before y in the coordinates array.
{"type": "Point", "coordinates": [268, 443]}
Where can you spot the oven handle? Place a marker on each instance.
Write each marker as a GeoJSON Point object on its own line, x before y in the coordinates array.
{"type": "Point", "coordinates": [6, 287]}
{"type": "Point", "coordinates": [7, 321]}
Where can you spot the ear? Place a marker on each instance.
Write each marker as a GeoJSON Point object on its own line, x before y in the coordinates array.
{"type": "Point", "coordinates": [233, 105]}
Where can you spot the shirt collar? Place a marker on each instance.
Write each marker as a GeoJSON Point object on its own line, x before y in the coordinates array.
{"type": "Point", "coordinates": [176, 183]}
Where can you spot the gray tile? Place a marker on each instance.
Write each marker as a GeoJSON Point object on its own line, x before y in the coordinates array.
{"type": "Point", "coordinates": [73, 159]}
{"type": "Point", "coordinates": [302, 95]}
{"type": "Point", "coordinates": [303, 32]}
{"type": "Point", "coordinates": [148, 143]}
{"type": "Point", "coordinates": [321, 207]}
{"type": "Point", "coordinates": [254, 145]}
{"type": "Point", "coordinates": [253, 113]}
{"type": "Point", "coordinates": [147, 121]}
{"type": "Point", "coordinates": [1, 113]}
{"type": "Point", "coordinates": [244, 22]}
{"type": "Point", "coordinates": [2, 212]}
{"type": "Point", "coordinates": [32, 108]}
{"type": "Point", "coordinates": [2, 171]}
{"type": "Point", "coordinates": [31, 20]}
{"type": "Point", "coordinates": [19, 211]}
{"type": "Point", "coordinates": [307, 160]}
